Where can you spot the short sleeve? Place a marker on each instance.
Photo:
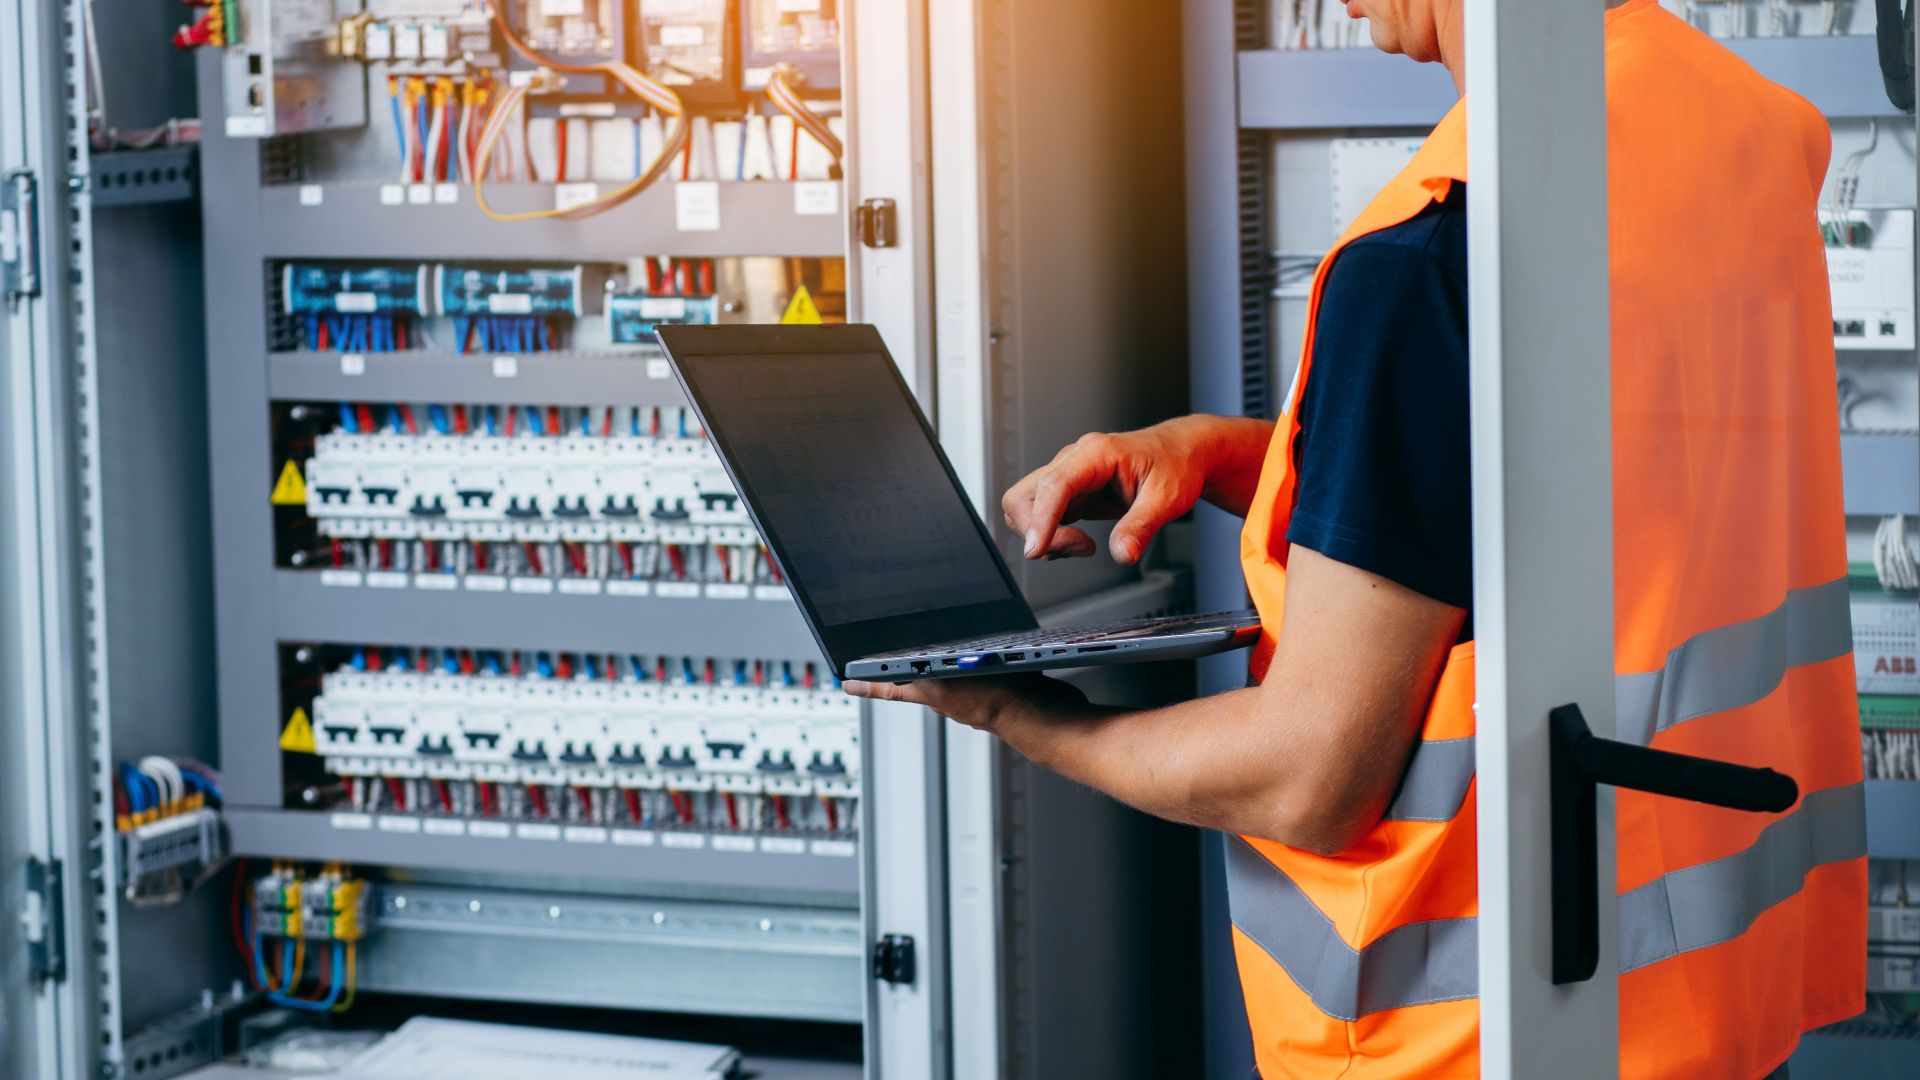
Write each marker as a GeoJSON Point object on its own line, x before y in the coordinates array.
{"type": "Point", "coordinates": [1383, 456]}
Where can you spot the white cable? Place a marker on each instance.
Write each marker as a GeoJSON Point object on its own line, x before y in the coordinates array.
{"type": "Point", "coordinates": [167, 775]}
{"type": "Point", "coordinates": [1893, 560]}
{"type": "Point", "coordinates": [430, 163]}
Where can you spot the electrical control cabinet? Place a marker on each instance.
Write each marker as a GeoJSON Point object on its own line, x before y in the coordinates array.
{"type": "Point", "coordinates": [397, 644]}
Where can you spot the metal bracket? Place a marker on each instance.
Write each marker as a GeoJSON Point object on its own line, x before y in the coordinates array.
{"type": "Point", "coordinates": [20, 236]}
{"type": "Point", "coordinates": [878, 223]}
{"type": "Point", "coordinates": [894, 959]}
{"type": "Point", "coordinates": [43, 921]}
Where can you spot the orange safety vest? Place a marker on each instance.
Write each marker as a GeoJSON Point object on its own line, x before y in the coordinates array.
{"type": "Point", "coordinates": [1738, 931]}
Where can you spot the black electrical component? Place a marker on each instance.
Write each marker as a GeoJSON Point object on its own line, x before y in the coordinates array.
{"type": "Point", "coordinates": [802, 35]}
{"type": "Point", "coordinates": [692, 46]}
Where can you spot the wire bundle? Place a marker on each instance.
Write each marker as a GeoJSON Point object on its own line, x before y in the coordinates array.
{"type": "Point", "coordinates": [653, 94]}
{"type": "Point", "coordinates": [1893, 558]}
{"type": "Point", "coordinates": [334, 973]}
{"type": "Point", "coordinates": [781, 92]}
{"type": "Point", "coordinates": [158, 787]}
{"type": "Point", "coordinates": [355, 333]}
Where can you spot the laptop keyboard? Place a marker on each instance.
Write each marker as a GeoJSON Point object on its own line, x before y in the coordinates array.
{"type": "Point", "coordinates": [1063, 635]}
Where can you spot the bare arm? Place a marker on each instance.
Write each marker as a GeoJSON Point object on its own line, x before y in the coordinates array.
{"type": "Point", "coordinates": [1310, 758]}
{"type": "Point", "coordinates": [1144, 478]}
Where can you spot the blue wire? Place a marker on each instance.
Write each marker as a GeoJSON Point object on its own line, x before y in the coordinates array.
{"type": "Point", "coordinates": [639, 672]}
{"type": "Point", "coordinates": [586, 421]}
{"type": "Point", "coordinates": [533, 421]}
{"type": "Point", "coordinates": [633, 421]}
{"type": "Point", "coordinates": [786, 673]}
{"type": "Point", "coordinates": [399, 126]}
{"type": "Point", "coordinates": [740, 166]}
{"type": "Point", "coordinates": [544, 665]}
{"type": "Point", "coordinates": [360, 659]}
{"type": "Point", "coordinates": [394, 421]}
{"type": "Point", "coordinates": [592, 666]}
{"type": "Point", "coordinates": [683, 423]}
{"type": "Point", "coordinates": [740, 673]}
{"type": "Point", "coordinates": [493, 420]}
{"type": "Point", "coordinates": [438, 415]}
{"type": "Point", "coordinates": [423, 142]}
{"type": "Point", "coordinates": [450, 662]}
{"type": "Point", "coordinates": [494, 665]}
{"type": "Point", "coordinates": [686, 669]}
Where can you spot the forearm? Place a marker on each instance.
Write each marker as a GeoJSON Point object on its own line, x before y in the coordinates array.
{"type": "Point", "coordinates": [1217, 763]}
{"type": "Point", "coordinates": [1234, 449]}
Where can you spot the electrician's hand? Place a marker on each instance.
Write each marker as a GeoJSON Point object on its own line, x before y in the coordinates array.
{"type": "Point", "coordinates": [1144, 478]}
{"type": "Point", "coordinates": [987, 702]}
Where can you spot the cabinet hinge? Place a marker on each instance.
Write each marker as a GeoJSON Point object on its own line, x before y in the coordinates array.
{"type": "Point", "coordinates": [19, 236]}
{"type": "Point", "coordinates": [43, 921]}
{"type": "Point", "coordinates": [878, 222]}
{"type": "Point", "coordinates": [893, 959]}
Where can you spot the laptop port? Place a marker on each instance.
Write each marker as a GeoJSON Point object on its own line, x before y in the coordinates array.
{"type": "Point", "coordinates": [1015, 657]}
{"type": "Point", "coordinates": [949, 662]}
{"type": "Point", "coordinates": [920, 667]}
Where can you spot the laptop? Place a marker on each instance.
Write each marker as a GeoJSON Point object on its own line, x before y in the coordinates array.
{"type": "Point", "coordinates": [896, 575]}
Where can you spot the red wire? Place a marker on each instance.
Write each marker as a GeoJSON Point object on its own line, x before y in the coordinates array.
{"type": "Point", "coordinates": [606, 426]}
{"type": "Point", "coordinates": [321, 342]}
{"type": "Point", "coordinates": [793, 161]}
{"type": "Point", "coordinates": [633, 804]}
{"type": "Point", "coordinates": [626, 557]}
{"type": "Point", "coordinates": [679, 563]}
{"type": "Point", "coordinates": [420, 662]}
{"type": "Point", "coordinates": [399, 333]}
{"type": "Point", "coordinates": [564, 669]}
{"type": "Point", "coordinates": [466, 662]}
{"type": "Point", "coordinates": [771, 568]}
{"type": "Point", "coordinates": [338, 551]}
{"type": "Point", "coordinates": [577, 554]}
{"type": "Point", "coordinates": [233, 914]}
{"type": "Point", "coordinates": [373, 659]}
{"type": "Point", "coordinates": [446, 797]}
{"type": "Point", "coordinates": [733, 812]}
{"type": "Point", "coordinates": [480, 556]}
{"type": "Point", "coordinates": [586, 802]}
{"type": "Point", "coordinates": [365, 413]}
{"type": "Point", "coordinates": [780, 812]}
{"type": "Point", "coordinates": [407, 417]}
{"type": "Point", "coordinates": [386, 554]}
{"type": "Point", "coordinates": [399, 793]}
{"type": "Point", "coordinates": [686, 161]}
{"type": "Point", "coordinates": [726, 564]}
{"type": "Point", "coordinates": [511, 413]}
{"type": "Point", "coordinates": [539, 799]}
{"type": "Point", "coordinates": [560, 140]}
{"type": "Point", "coordinates": [833, 816]}
{"type": "Point", "coordinates": [553, 419]}
{"type": "Point", "coordinates": [533, 557]}
{"type": "Point", "coordinates": [459, 419]}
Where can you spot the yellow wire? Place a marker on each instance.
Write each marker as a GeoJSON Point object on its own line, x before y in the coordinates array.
{"type": "Point", "coordinates": [788, 100]}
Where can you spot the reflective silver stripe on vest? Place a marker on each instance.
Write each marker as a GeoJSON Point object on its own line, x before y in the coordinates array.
{"type": "Point", "coordinates": [1426, 962]}
{"type": "Point", "coordinates": [1712, 672]}
{"type": "Point", "coordinates": [1436, 782]}
{"type": "Point", "coordinates": [1734, 665]}
{"type": "Point", "coordinates": [1717, 901]}
{"type": "Point", "coordinates": [1417, 964]}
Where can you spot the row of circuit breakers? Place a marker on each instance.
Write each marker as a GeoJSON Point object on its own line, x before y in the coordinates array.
{"type": "Point", "coordinates": [740, 744]}
{"type": "Point", "coordinates": [491, 309]}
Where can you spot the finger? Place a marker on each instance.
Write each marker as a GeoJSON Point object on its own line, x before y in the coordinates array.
{"type": "Point", "coordinates": [1157, 503]}
{"type": "Point", "coordinates": [1071, 543]}
{"type": "Point", "coordinates": [1055, 492]}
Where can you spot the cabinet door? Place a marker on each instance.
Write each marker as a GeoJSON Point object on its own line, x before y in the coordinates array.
{"type": "Point", "coordinates": [891, 287]}
{"type": "Point", "coordinates": [46, 995]}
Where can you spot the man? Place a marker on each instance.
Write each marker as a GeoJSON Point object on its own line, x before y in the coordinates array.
{"type": "Point", "coordinates": [1347, 771]}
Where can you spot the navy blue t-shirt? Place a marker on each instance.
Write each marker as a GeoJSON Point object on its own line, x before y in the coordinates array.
{"type": "Point", "coordinates": [1383, 449]}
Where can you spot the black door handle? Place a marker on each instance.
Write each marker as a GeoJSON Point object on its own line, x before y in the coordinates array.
{"type": "Point", "coordinates": [1580, 760]}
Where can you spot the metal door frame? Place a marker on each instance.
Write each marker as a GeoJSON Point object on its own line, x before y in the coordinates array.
{"type": "Point", "coordinates": [1542, 504]}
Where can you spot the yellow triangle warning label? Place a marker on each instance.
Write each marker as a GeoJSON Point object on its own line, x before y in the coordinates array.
{"type": "Point", "coordinates": [291, 489]}
{"type": "Point", "coordinates": [801, 310]}
{"type": "Point", "coordinates": [297, 736]}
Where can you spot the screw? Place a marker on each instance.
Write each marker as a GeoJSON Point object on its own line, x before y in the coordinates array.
{"type": "Point", "coordinates": [659, 918]}
{"type": "Point", "coordinates": [109, 1070]}
{"type": "Point", "coordinates": [206, 999]}
{"type": "Point", "coordinates": [766, 926]}
{"type": "Point", "coordinates": [399, 903]}
{"type": "Point", "coordinates": [553, 912]}
{"type": "Point", "coordinates": [473, 906]}
{"type": "Point", "coordinates": [298, 412]}
{"type": "Point", "coordinates": [298, 558]}
{"type": "Point", "coordinates": [238, 991]}
{"type": "Point", "coordinates": [76, 183]}
{"type": "Point", "coordinates": [303, 654]}
{"type": "Point", "coordinates": [731, 307]}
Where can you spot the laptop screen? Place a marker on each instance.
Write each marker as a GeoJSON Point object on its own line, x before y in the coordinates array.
{"type": "Point", "coordinates": [843, 477]}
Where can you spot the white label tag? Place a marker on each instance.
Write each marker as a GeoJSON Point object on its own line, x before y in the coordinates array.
{"type": "Point", "coordinates": [586, 834]}
{"type": "Point", "coordinates": [737, 844]}
{"type": "Point", "coordinates": [580, 587]}
{"type": "Point", "coordinates": [687, 840]}
{"type": "Point", "coordinates": [678, 590]}
{"type": "Point", "coordinates": [783, 845]}
{"type": "Point", "coordinates": [533, 586]}
{"type": "Point", "coordinates": [445, 827]}
{"type": "Point", "coordinates": [352, 822]}
{"type": "Point", "coordinates": [436, 582]}
{"type": "Point", "coordinates": [419, 194]}
{"type": "Point", "coordinates": [696, 206]}
{"type": "Point", "coordinates": [663, 307]}
{"type": "Point", "coordinates": [489, 830]}
{"type": "Point", "coordinates": [446, 194]}
{"type": "Point", "coordinates": [659, 369]}
{"type": "Point", "coordinates": [340, 579]}
{"type": "Point", "coordinates": [390, 823]}
{"type": "Point", "coordinates": [505, 367]}
{"type": "Point", "coordinates": [387, 579]}
{"type": "Point", "coordinates": [840, 849]}
{"type": "Point", "coordinates": [632, 838]}
{"type": "Point", "coordinates": [816, 198]}
{"type": "Point", "coordinates": [353, 364]}
{"type": "Point", "coordinates": [555, 9]}
{"type": "Point", "coordinates": [392, 194]}
{"type": "Point", "coordinates": [537, 832]}
{"type": "Point", "coordinates": [624, 587]}
{"type": "Point", "coordinates": [312, 194]}
{"type": "Point", "coordinates": [722, 591]}
{"type": "Point", "coordinates": [794, 7]}
{"type": "Point", "coordinates": [240, 127]}
{"type": "Point", "coordinates": [568, 196]}
{"type": "Point", "coordinates": [683, 35]}
{"type": "Point", "coordinates": [510, 303]}
{"type": "Point", "coordinates": [355, 302]}
{"type": "Point", "coordinates": [486, 583]}
{"type": "Point", "coordinates": [773, 594]}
